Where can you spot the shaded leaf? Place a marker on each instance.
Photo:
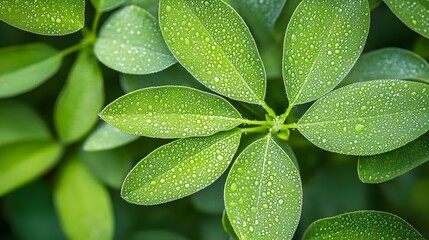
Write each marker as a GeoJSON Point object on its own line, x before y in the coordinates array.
{"type": "Point", "coordinates": [213, 43]}
{"type": "Point", "coordinates": [83, 204]}
{"type": "Point", "coordinates": [370, 225]}
{"type": "Point", "coordinates": [25, 67]}
{"type": "Point", "coordinates": [157, 235]}
{"type": "Point", "coordinates": [368, 118]}
{"type": "Point", "coordinates": [106, 137]}
{"type": "Point", "coordinates": [374, 3]}
{"type": "Point", "coordinates": [263, 193]}
{"type": "Point", "coordinates": [323, 40]}
{"type": "Point", "coordinates": [149, 5]}
{"type": "Point", "coordinates": [414, 13]}
{"type": "Point", "coordinates": [386, 166]}
{"type": "Point", "coordinates": [105, 5]}
{"type": "Point", "coordinates": [23, 162]}
{"type": "Point", "coordinates": [130, 41]}
{"type": "Point", "coordinates": [80, 100]}
{"type": "Point", "coordinates": [227, 226]}
{"type": "Point", "coordinates": [180, 168]}
{"type": "Point", "coordinates": [48, 17]}
{"type": "Point", "coordinates": [171, 112]}
{"type": "Point", "coordinates": [210, 199]}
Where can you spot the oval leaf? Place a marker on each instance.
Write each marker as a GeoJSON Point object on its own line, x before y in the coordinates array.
{"type": "Point", "coordinates": [414, 13]}
{"type": "Point", "coordinates": [386, 166]}
{"type": "Point", "coordinates": [263, 193]}
{"type": "Point", "coordinates": [227, 226]}
{"type": "Point", "coordinates": [25, 67]}
{"type": "Point", "coordinates": [23, 162]}
{"type": "Point", "coordinates": [105, 5]}
{"type": "Point", "coordinates": [212, 42]}
{"type": "Point", "coordinates": [80, 100]}
{"type": "Point", "coordinates": [47, 17]}
{"type": "Point", "coordinates": [370, 225]}
{"type": "Point", "coordinates": [171, 112]}
{"type": "Point", "coordinates": [180, 168]}
{"type": "Point", "coordinates": [106, 137]}
{"type": "Point", "coordinates": [83, 204]}
{"type": "Point", "coordinates": [388, 63]}
{"type": "Point", "coordinates": [323, 40]}
{"type": "Point", "coordinates": [149, 5]}
{"type": "Point", "coordinates": [130, 41]}
{"type": "Point", "coordinates": [368, 118]}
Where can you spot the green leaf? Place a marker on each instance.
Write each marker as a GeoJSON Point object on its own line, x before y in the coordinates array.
{"type": "Point", "coordinates": [210, 199]}
{"type": "Point", "coordinates": [213, 43]}
{"type": "Point", "coordinates": [388, 63]}
{"type": "Point", "coordinates": [83, 204]}
{"type": "Point", "coordinates": [180, 168]}
{"type": "Point", "coordinates": [171, 112]}
{"type": "Point", "coordinates": [105, 5]}
{"type": "Point", "coordinates": [149, 5]}
{"type": "Point", "coordinates": [227, 226]}
{"type": "Point", "coordinates": [130, 41]}
{"type": "Point", "coordinates": [323, 40]}
{"type": "Point", "coordinates": [106, 137]}
{"type": "Point", "coordinates": [414, 13]}
{"type": "Point", "coordinates": [370, 225]}
{"type": "Point", "coordinates": [47, 17]}
{"type": "Point", "coordinates": [368, 118]}
{"type": "Point", "coordinates": [386, 166]}
{"type": "Point", "coordinates": [263, 193]}
{"type": "Point", "coordinates": [19, 122]}
{"type": "Point", "coordinates": [21, 163]}
{"type": "Point", "coordinates": [374, 3]}
{"type": "Point", "coordinates": [157, 235]}
{"type": "Point", "coordinates": [80, 100]}
{"type": "Point", "coordinates": [25, 67]}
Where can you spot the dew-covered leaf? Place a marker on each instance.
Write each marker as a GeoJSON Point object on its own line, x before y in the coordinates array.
{"type": "Point", "coordinates": [386, 166]}
{"type": "Point", "coordinates": [83, 204]}
{"type": "Point", "coordinates": [130, 41]}
{"type": "Point", "coordinates": [227, 226]}
{"type": "Point", "coordinates": [107, 137]}
{"type": "Point", "coordinates": [24, 67]}
{"type": "Point", "coordinates": [368, 118]}
{"type": "Point", "coordinates": [180, 168]}
{"type": "Point", "coordinates": [263, 193]}
{"type": "Point", "coordinates": [388, 63]}
{"type": "Point", "coordinates": [414, 13]}
{"type": "Point", "coordinates": [47, 17]}
{"type": "Point", "coordinates": [105, 5]}
{"type": "Point", "coordinates": [213, 43]}
{"type": "Point", "coordinates": [369, 225]}
{"type": "Point", "coordinates": [80, 100]}
{"type": "Point", "coordinates": [171, 112]}
{"type": "Point", "coordinates": [323, 40]}
{"type": "Point", "coordinates": [23, 162]}
{"type": "Point", "coordinates": [149, 5]}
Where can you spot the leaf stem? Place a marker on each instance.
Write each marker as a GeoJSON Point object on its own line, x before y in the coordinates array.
{"type": "Point", "coordinates": [251, 110]}
{"type": "Point", "coordinates": [289, 126]}
{"type": "Point", "coordinates": [254, 129]}
{"type": "Point", "coordinates": [254, 122]}
{"type": "Point", "coordinates": [95, 22]}
{"type": "Point", "coordinates": [286, 114]}
{"type": "Point", "coordinates": [75, 48]}
{"type": "Point", "coordinates": [269, 110]}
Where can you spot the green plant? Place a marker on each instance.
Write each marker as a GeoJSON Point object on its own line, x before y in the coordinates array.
{"type": "Point", "coordinates": [380, 113]}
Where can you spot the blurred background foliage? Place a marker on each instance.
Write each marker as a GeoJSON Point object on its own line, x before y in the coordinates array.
{"type": "Point", "coordinates": [330, 182]}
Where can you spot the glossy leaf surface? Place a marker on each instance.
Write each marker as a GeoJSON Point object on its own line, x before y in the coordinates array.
{"type": "Point", "coordinates": [263, 193]}
{"type": "Point", "coordinates": [83, 204]}
{"type": "Point", "coordinates": [80, 100]}
{"type": "Point", "coordinates": [47, 17]}
{"type": "Point", "coordinates": [370, 225]}
{"type": "Point", "coordinates": [171, 112]}
{"type": "Point", "coordinates": [149, 5]}
{"type": "Point", "coordinates": [25, 67]}
{"type": "Point", "coordinates": [213, 43]}
{"type": "Point", "coordinates": [130, 41]}
{"type": "Point", "coordinates": [323, 41]}
{"type": "Point", "coordinates": [388, 63]}
{"type": "Point", "coordinates": [105, 5]}
{"type": "Point", "coordinates": [386, 166]}
{"type": "Point", "coordinates": [368, 118]}
{"type": "Point", "coordinates": [106, 137]}
{"type": "Point", "coordinates": [414, 13]}
{"type": "Point", "coordinates": [180, 168]}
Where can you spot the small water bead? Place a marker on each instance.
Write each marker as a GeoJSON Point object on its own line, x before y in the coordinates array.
{"type": "Point", "coordinates": [233, 187]}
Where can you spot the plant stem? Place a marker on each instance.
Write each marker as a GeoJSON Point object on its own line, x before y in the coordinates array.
{"type": "Point", "coordinates": [289, 126]}
{"type": "Point", "coordinates": [251, 110]}
{"type": "Point", "coordinates": [95, 22]}
{"type": "Point", "coordinates": [75, 48]}
{"type": "Point", "coordinates": [286, 114]}
{"type": "Point", "coordinates": [254, 122]}
{"type": "Point", "coordinates": [269, 110]}
{"type": "Point", "coordinates": [254, 129]}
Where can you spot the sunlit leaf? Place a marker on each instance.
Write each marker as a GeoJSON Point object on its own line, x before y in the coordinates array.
{"type": "Point", "coordinates": [227, 226]}
{"type": "Point", "coordinates": [386, 166]}
{"type": "Point", "coordinates": [24, 67]}
{"type": "Point", "coordinates": [23, 162]}
{"type": "Point", "coordinates": [388, 63]}
{"type": "Point", "coordinates": [47, 17]}
{"type": "Point", "coordinates": [180, 168]}
{"type": "Point", "coordinates": [105, 5]}
{"type": "Point", "coordinates": [106, 137]}
{"type": "Point", "coordinates": [323, 40]}
{"type": "Point", "coordinates": [149, 5]}
{"type": "Point", "coordinates": [80, 100]}
{"type": "Point", "coordinates": [213, 43]}
{"type": "Point", "coordinates": [370, 225]}
{"type": "Point", "coordinates": [157, 235]}
{"type": "Point", "coordinates": [171, 112]}
{"type": "Point", "coordinates": [414, 13]}
{"type": "Point", "coordinates": [83, 204]}
{"type": "Point", "coordinates": [130, 41]}
{"type": "Point", "coordinates": [368, 118]}
{"type": "Point", "coordinates": [263, 193]}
